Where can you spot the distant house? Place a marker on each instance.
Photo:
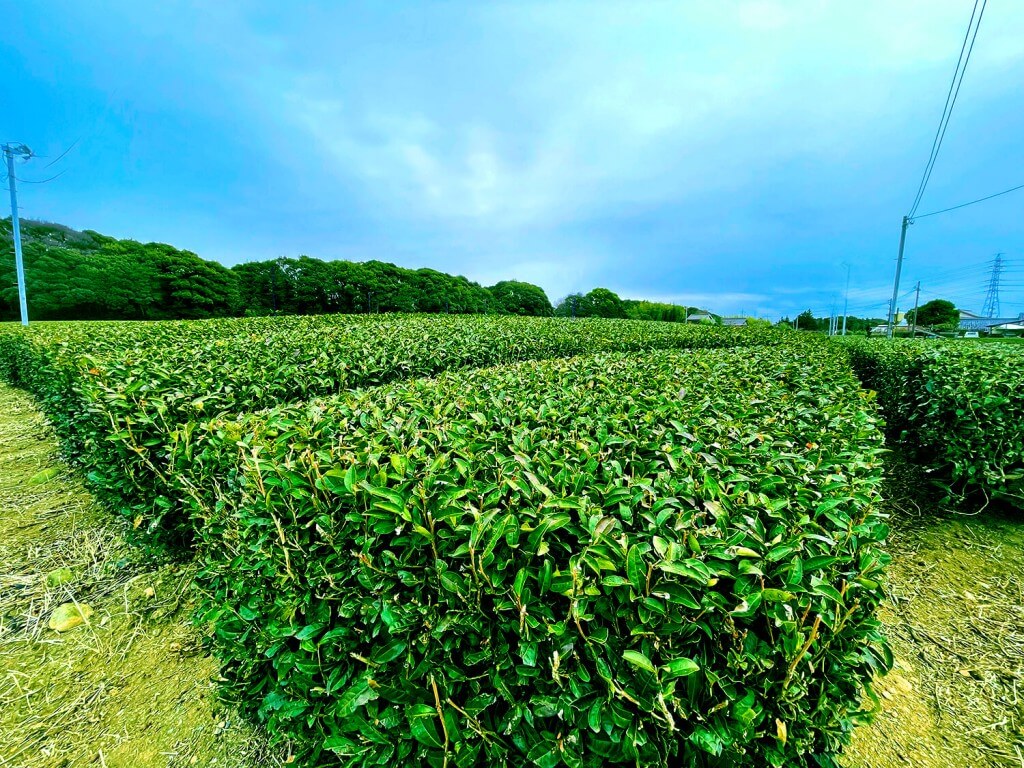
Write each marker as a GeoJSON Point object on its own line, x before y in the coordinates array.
{"type": "Point", "coordinates": [1014, 328]}
{"type": "Point", "coordinates": [972, 322]}
{"type": "Point", "coordinates": [700, 317]}
{"type": "Point", "coordinates": [901, 329]}
{"type": "Point", "coordinates": [734, 320]}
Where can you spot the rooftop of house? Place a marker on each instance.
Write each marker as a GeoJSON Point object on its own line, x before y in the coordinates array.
{"type": "Point", "coordinates": [975, 323]}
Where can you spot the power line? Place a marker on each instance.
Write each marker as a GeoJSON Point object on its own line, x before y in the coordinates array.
{"type": "Point", "coordinates": [947, 113]}
{"type": "Point", "coordinates": [947, 110]}
{"type": "Point", "coordinates": [62, 154]}
{"type": "Point", "coordinates": [45, 180]}
{"type": "Point", "coordinates": [964, 205]}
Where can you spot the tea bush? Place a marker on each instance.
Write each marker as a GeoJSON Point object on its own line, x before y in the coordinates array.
{"type": "Point", "coordinates": [670, 559]}
{"type": "Point", "coordinates": [957, 408]}
{"type": "Point", "coordinates": [117, 392]}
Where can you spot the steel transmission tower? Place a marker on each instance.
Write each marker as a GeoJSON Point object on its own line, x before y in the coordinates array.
{"type": "Point", "coordinates": [991, 306]}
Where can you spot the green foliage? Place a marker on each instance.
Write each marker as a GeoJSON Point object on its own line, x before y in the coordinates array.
{"type": "Point", "coordinates": [656, 310]}
{"type": "Point", "coordinates": [118, 392]}
{"type": "Point", "coordinates": [854, 325]}
{"type": "Point", "coordinates": [806, 322]}
{"type": "Point", "coordinates": [600, 302]}
{"type": "Point", "coordinates": [311, 286]}
{"type": "Point", "coordinates": [644, 556]}
{"type": "Point", "coordinates": [88, 276]}
{"type": "Point", "coordinates": [665, 559]}
{"type": "Point", "coordinates": [603, 303]}
{"type": "Point", "coordinates": [515, 298]}
{"type": "Point", "coordinates": [956, 408]}
{"type": "Point", "coordinates": [84, 275]}
{"type": "Point", "coordinates": [936, 312]}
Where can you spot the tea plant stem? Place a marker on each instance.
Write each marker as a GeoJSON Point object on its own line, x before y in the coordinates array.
{"type": "Point", "coordinates": [802, 652]}
{"type": "Point", "coordinates": [440, 716]}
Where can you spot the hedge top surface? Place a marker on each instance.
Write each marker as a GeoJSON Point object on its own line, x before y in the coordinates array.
{"type": "Point", "coordinates": [958, 407]}
{"type": "Point", "coordinates": [117, 391]}
{"type": "Point", "coordinates": [666, 560]}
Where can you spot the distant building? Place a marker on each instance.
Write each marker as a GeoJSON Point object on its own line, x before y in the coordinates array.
{"type": "Point", "coordinates": [700, 317]}
{"type": "Point", "coordinates": [972, 322]}
{"type": "Point", "coordinates": [1015, 328]}
{"type": "Point", "coordinates": [900, 329]}
{"type": "Point", "coordinates": [734, 320]}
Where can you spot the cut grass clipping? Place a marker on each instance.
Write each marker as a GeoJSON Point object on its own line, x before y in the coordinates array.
{"type": "Point", "coordinates": [126, 687]}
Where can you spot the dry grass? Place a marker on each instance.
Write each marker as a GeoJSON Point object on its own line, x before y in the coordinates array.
{"type": "Point", "coordinates": [956, 621]}
{"type": "Point", "coordinates": [128, 688]}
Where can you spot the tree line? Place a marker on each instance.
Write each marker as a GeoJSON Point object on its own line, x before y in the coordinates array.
{"type": "Point", "coordinates": [938, 314]}
{"type": "Point", "coordinates": [72, 275]}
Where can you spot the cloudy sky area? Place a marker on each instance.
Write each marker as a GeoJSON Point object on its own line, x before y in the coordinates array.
{"type": "Point", "coordinates": [728, 154]}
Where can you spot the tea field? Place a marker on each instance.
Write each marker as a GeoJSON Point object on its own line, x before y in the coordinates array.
{"type": "Point", "coordinates": [488, 540]}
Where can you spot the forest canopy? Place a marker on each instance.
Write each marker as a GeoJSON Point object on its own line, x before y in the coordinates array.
{"type": "Point", "coordinates": [73, 275]}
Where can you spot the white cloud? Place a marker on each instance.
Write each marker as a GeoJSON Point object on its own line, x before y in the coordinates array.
{"type": "Point", "coordinates": [708, 95]}
{"type": "Point", "coordinates": [593, 111]}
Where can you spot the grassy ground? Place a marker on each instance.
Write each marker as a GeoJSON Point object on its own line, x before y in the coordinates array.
{"type": "Point", "coordinates": [955, 618]}
{"type": "Point", "coordinates": [129, 687]}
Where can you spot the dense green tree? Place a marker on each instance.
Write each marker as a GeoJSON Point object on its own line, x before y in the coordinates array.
{"type": "Point", "coordinates": [572, 305]}
{"type": "Point", "coordinates": [604, 303]}
{"type": "Point", "coordinates": [600, 302]}
{"type": "Point", "coordinates": [517, 298]}
{"type": "Point", "coordinates": [805, 322]}
{"type": "Point", "coordinates": [84, 275]}
{"type": "Point", "coordinates": [261, 287]}
{"type": "Point", "coordinates": [655, 310]}
{"type": "Point", "coordinates": [936, 312]}
{"type": "Point", "coordinates": [311, 286]}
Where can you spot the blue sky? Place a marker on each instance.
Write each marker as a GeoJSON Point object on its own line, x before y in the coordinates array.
{"type": "Point", "coordinates": [728, 154]}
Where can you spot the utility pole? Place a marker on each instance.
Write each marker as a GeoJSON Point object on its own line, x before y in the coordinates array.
{"type": "Point", "coordinates": [917, 299]}
{"type": "Point", "coordinates": [896, 282]}
{"type": "Point", "coordinates": [10, 150]}
{"type": "Point", "coordinates": [846, 298]}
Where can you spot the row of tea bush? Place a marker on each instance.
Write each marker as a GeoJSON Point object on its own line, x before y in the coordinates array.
{"type": "Point", "coordinates": [671, 559]}
{"type": "Point", "coordinates": [117, 392]}
{"type": "Point", "coordinates": [956, 408]}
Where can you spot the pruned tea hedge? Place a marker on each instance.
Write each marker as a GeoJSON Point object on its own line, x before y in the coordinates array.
{"type": "Point", "coordinates": [666, 559]}
{"type": "Point", "coordinates": [958, 408]}
{"type": "Point", "coordinates": [117, 392]}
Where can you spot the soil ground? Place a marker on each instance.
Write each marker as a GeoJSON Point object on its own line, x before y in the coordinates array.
{"type": "Point", "coordinates": [131, 688]}
{"type": "Point", "coordinates": [955, 618]}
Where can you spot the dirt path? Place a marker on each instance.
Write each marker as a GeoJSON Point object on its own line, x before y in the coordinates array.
{"type": "Point", "coordinates": [956, 622]}
{"type": "Point", "coordinates": [128, 688]}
